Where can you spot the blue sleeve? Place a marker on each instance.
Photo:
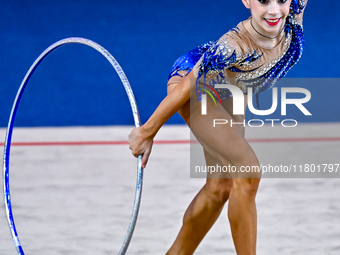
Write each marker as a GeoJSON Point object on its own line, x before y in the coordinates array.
{"type": "Point", "coordinates": [297, 9]}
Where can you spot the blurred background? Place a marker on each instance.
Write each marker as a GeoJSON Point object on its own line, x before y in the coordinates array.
{"type": "Point", "coordinates": [77, 199]}
{"type": "Point", "coordinates": [76, 86]}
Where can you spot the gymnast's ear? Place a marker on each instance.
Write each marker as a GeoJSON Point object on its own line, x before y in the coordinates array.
{"type": "Point", "coordinates": [246, 3]}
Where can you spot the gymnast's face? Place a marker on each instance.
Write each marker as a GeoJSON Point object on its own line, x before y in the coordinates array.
{"type": "Point", "coordinates": [268, 16]}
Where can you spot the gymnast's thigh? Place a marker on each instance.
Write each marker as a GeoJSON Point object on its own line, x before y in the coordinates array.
{"type": "Point", "coordinates": [239, 120]}
{"type": "Point", "coordinates": [212, 161]}
{"type": "Point", "coordinates": [224, 142]}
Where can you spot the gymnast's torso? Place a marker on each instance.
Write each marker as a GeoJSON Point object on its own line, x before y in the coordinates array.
{"type": "Point", "coordinates": [238, 59]}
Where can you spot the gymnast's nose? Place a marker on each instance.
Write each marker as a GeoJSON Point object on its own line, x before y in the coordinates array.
{"type": "Point", "coordinates": [273, 8]}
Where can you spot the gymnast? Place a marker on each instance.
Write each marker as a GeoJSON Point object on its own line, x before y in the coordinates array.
{"type": "Point", "coordinates": [254, 54]}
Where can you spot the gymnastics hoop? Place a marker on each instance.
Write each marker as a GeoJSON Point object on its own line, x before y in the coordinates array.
{"type": "Point", "coordinates": [7, 147]}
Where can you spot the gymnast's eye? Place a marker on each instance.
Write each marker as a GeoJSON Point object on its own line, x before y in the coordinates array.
{"type": "Point", "coordinates": [282, 1]}
{"type": "Point", "coordinates": [263, 1]}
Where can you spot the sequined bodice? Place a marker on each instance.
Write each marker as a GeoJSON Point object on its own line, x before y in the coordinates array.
{"type": "Point", "coordinates": [252, 60]}
{"type": "Point", "coordinates": [236, 58]}
{"type": "Point", "coordinates": [236, 55]}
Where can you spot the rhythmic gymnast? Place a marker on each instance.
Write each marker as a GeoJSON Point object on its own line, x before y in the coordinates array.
{"type": "Point", "coordinates": [256, 53]}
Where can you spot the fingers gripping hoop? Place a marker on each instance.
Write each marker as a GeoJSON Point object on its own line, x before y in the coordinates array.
{"type": "Point", "coordinates": [7, 148]}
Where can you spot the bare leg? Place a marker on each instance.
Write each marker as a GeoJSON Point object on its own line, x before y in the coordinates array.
{"type": "Point", "coordinates": [201, 214]}
{"type": "Point", "coordinates": [207, 205]}
{"type": "Point", "coordinates": [242, 215]}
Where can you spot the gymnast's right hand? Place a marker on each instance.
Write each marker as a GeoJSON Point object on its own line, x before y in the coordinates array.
{"type": "Point", "coordinates": [141, 144]}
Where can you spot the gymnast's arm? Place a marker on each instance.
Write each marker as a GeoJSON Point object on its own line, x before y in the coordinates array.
{"type": "Point", "coordinates": [141, 139]}
{"type": "Point", "coordinates": [299, 16]}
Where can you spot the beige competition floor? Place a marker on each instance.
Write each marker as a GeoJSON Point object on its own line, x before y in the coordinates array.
{"type": "Point", "coordinates": [77, 199]}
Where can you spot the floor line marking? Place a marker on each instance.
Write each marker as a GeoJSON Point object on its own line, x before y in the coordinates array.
{"type": "Point", "coordinates": [259, 140]}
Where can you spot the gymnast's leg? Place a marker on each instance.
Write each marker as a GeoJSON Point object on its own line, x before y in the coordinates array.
{"type": "Point", "coordinates": [208, 203]}
{"type": "Point", "coordinates": [201, 214]}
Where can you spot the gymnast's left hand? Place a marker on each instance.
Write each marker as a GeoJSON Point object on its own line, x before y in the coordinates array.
{"type": "Point", "coordinates": [141, 144]}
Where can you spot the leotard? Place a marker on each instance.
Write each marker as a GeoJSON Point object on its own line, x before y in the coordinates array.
{"type": "Point", "coordinates": [237, 56]}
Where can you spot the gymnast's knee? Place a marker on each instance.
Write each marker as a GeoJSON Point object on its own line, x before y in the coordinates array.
{"type": "Point", "coordinates": [218, 189]}
{"type": "Point", "coordinates": [248, 186]}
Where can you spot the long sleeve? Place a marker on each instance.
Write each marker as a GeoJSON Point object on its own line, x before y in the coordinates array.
{"type": "Point", "coordinates": [297, 10]}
